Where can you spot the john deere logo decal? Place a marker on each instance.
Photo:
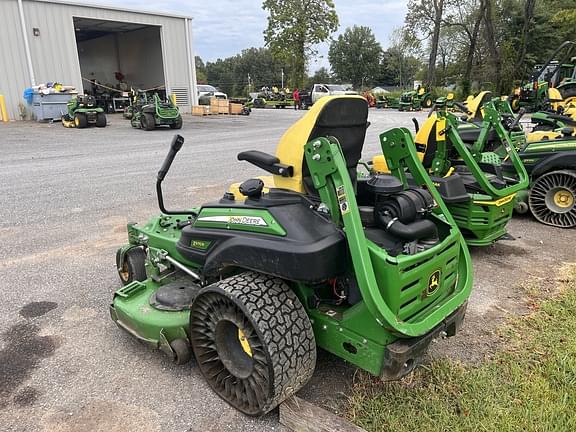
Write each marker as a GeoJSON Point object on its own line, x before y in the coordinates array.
{"type": "Point", "coordinates": [433, 283]}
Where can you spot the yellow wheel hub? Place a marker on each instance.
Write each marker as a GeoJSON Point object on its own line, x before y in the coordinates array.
{"type": "Point", "coordinates": [244, 342]}
{"type": "Point", "coordinates": [76, 121]}
{"type": "Point", "coordinates": [124, 273]}
{"type": "Point", "coordinates": [564, 198]}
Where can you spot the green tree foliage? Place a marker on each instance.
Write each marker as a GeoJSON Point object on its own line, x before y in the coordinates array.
{"type": "Point", "coordinates": [400, 64]}
{"type": "Point", "coordinates": [490, 41]}
{"type": "Point", "coordinates": [321, 76]}
{"type": "Point", "coordinates": [231, 74]}
{"type": "Point", "coordinates": [355, 56]}
{"type": "Point", "coordinates": [201, 77]}
{"type": "Point", "coordinates": [294, 27]}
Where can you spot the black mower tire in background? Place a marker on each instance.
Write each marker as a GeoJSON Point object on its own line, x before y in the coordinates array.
{"type": "Point", "coordinates": [100, 120]}
{"type": "Point", "coordinates": [177, 123]}
{"type": "Point", "coordinates": [80, 120]}
{"type": "Point", "coordinates": [552, 199]}
{"type": "Point", "coordinates": [252, 340]}
{"type": "Point", "coordinates": [427, 102]}
{"type": "Point", "coordinates": [148, 122]}
{"type": "Point", "coordinates": [133, 267]}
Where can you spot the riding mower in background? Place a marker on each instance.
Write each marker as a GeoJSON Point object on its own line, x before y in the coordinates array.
{"type": "Point", "coordinates": [83, 112]}
{"type": "Point", "coordinates": [549, 157]}
{"type": "Point", "coordinates": [150, 112]}
{"type": "Point", "coordinates": [560, 114]}
{"type": "Point", "coordinates": [551, 165]}
{"type": "Point", "coordinates": [415, 100]}
{"type": "Point", "coordinates": [558, 72]}
{"type": "Point", "coordinates": [465, 166]}
{"type": "Point", "coordinates": [370, 269]}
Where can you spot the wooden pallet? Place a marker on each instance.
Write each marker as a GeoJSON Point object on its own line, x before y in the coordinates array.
{"type": "Point", "coordinates": [301, 416]}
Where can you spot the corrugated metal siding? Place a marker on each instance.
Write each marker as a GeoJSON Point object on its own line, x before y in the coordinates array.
{"type": "Point", "coordinates": [54, 52]}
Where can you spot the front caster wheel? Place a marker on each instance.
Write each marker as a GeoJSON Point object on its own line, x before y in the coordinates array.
{"type": "Point", "coordinates": [552, 199]}
{"type": "Point", "coordinates": [132, 266]}
{"type": "Point", "coordinates": [252, 340]}
{"type": "Point", "coordinates": [182, 351]}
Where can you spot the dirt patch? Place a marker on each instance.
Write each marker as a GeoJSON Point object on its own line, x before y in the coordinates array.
{"type": "Point", "coordinates": [26, 397]}
{"type": "Point", "coordinates": [23, 351]}
{"type": "Point", "coordinates": [36, 309]}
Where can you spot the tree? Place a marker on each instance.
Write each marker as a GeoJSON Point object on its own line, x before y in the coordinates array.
{"type": "Point", "coordinates": [231, 74]}
{"type": "Point", "coordinates": [355, 56]}
{"type": "Point", "coordinates": [424, 20]}
{"type": "Point", "coordinates": [201, 77]}
{"type": "Point", "coordinates": [294, 27]}
{"type": "Point", "coordinates": [321, 76]}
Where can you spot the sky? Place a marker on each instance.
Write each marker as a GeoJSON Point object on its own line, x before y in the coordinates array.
{"type": "Point", "coordinates": [223, 28]}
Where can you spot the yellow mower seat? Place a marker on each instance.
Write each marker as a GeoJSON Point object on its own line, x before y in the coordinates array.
{"type": "Point", "coordinates": [474, 105]}
{"type": "Point", "coordinates": [343, 117]}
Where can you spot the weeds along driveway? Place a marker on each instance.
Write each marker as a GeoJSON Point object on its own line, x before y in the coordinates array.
{"type": "Point", "coordinates": [66, 196]}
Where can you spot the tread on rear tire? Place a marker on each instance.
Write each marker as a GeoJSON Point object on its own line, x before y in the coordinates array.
{"type": "Point", "coordinates": [253, 341]}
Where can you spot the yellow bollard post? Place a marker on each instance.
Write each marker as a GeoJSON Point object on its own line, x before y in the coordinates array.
{"type": "Point", "coordinates": [173, 97]}
{"type": "Point", "coordinates": [3, 110]}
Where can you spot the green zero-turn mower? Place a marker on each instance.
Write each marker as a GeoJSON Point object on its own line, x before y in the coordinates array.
{"type": "Point", "coordinates": [83, 112]}
{"type": "Point", "coordinates": [548, 154]}
{"type": "Point", "coordinates": [149, 113]}
{"type": "Point", "coordinates": [551, 166]}
{"type": "Point", "coordinates": [558, 72]}
{"type": "Point", "coordinates": [415, 100]}
{"type": "Point", "coordinates": [465, 165]}
{"type": "Point", "coordinates": [371, 269]}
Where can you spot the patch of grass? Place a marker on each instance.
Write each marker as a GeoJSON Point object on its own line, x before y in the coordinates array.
{"type": "Point", "coordinates": [529, 386]}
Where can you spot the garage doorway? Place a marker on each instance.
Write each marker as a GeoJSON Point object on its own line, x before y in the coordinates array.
{"type": "Point", "coordinates": [120, 56]}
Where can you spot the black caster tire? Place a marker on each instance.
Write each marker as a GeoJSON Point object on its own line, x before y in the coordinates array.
{"type": "Point", "coordinates": [133, 267]}
{"type": "Point", "coordinates": [182, 351]}
{"type": "Point", "coordinates": [252, 340]}
{"type": "Point", "coordinates": [148, 122]}
{"type": "Point", "coordinates": [552, 199]}
{"type": "Point", "coordinates": [100, 120]}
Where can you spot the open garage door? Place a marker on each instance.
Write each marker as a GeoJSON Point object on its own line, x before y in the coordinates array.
{"type": "Point", "coordinates": [117, 56]}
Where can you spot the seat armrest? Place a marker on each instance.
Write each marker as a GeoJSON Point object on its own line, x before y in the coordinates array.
{"type": "Point", "coordinates": [267, 162]}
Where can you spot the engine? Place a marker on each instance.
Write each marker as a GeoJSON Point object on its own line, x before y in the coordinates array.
{"type": "Point", "coordinates": [402, 213]}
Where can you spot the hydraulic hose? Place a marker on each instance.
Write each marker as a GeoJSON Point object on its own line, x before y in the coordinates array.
{"type": "Point", "coordinates": [416, 230]}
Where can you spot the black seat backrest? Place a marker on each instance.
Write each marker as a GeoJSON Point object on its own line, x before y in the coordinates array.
{"type": "Point", "coordinates": [346, 119]}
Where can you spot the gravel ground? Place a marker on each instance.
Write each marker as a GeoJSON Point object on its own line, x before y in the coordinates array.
{"type": "Point", "coordinates": [66, 197]}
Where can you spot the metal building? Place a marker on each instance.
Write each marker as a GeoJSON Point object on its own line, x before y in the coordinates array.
{"type": "Point", "coordinates": [76, 44]}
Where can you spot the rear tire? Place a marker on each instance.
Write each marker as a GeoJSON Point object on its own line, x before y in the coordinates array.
{"type": "Point", "coordinates": [552, 199]}
{"type": "Point", "coordinates": [252, 340]}
{"type": "Point", "coordinates": [148, 122]}
{"type": "Point", "coordinates": [177, 123]}
{"type": "Point", "coordinates": [133, 267]}
{"type": "Point", "coordinates": [100, 120]}
{"type": "Point", "coordinates": [80, 120]}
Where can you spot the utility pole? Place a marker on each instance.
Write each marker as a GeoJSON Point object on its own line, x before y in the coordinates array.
{"type": "Point", "coordinates": [282, 77]}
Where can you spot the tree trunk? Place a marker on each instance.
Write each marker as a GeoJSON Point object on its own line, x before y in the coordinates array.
{"type": "Point", "coordinates": [495, 59]}
{"type": "Point", "coordinates": [528, 16]}
{"type": "Point", "coordinates": [472, 48]}
{"type": "Point", "coordinates": [299, 65]}
{"type": "Point", "coordinates": [438, 11]}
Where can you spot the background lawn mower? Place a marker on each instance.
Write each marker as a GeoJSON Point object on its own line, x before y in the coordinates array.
{"type": "Point", "coordinates": [415, 100]}
{"type": "Point", "coordinates": [548, 155]}
{"type": "Point", "coordinates": [465, 164]}
{"type": "Point", "coordinates": [558, 72]}
{"type": "Point", "coordinates": [83, 112]}
{"type": "Point", "coordinates": [371, 269]}
{"type": "Point", "coordinates": [150, 112]}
